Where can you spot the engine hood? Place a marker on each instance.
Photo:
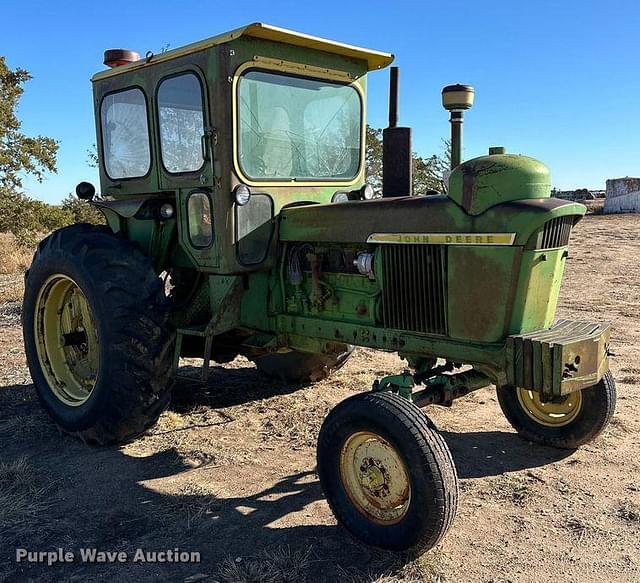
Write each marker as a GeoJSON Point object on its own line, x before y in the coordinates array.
{"type": "Point", "coordinates": [355, 222]}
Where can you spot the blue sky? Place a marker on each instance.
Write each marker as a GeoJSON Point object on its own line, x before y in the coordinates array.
{"type": "Point", "coordinates": [555, 80]}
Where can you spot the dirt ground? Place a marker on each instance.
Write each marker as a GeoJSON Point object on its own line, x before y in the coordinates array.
{"type": "Point", "coordinates": [229, 470]}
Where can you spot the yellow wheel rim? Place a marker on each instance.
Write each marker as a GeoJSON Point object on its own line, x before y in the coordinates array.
{"type": "Point", "coordinates": [375, 478]}
{"type": "Point", "coordinates": [556, 413]}
{"type": "Point", "coordinates": [66, 340]}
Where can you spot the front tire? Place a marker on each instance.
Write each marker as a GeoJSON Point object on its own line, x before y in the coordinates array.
{"type": "Point", "coordinates": [386, 472]}
{"type": "Point", "coordinates": [565, 423]}
{"type": "Point", "coordinates": [96, 336]}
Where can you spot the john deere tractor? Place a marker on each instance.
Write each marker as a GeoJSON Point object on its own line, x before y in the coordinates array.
{"type": "Point", "coordinates": [239, 222]}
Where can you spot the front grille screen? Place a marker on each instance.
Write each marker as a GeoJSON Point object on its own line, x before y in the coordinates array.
{"type": "Point", "coordinates": [556, 233]}
{"type": "Point", "coordinates": [415, 288]}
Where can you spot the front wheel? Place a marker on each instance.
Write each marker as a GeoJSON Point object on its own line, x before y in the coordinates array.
{"type": "Point", "coordinates": [387, 473]}
{"type": "Point", "coordinates": [565, 422]}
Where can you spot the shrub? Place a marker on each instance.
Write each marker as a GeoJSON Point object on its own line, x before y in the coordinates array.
{"type": "Point", "coordinates": [30, 220]}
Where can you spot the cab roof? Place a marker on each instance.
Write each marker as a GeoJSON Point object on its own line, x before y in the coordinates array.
{"type": "Point", "coordinates": [374, 59]}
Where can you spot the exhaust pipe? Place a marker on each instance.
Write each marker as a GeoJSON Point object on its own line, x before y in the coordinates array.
{"type": "Point", "coordinates": [396, 148]}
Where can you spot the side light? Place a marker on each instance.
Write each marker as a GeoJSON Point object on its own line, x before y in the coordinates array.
{"type": "Point", "coordinates": [340, 197]}
{"type": "Point", "coordinates": [367, 192]}
{"type": "Point", "coordinates": [242, 194]}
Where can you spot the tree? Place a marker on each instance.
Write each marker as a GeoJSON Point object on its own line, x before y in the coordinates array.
{"type": "Point", "coordinates": [373, 159]}
{"type": "Point", "coordinates": [428, 172]}
{"type": "Point", "coordinates": [80, 211]}
{"type": "Point", "coordinates": [19, 153]}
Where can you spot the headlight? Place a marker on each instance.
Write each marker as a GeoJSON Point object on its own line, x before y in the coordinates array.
{"type": "Point", "coordinates": [242, 194]}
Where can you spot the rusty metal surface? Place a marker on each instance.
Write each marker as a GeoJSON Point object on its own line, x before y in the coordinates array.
{"type": "Point", "coordinates": [569, 356]}
{"type": "Point", "coordinates": [352, 222]}
{"type": "Point", "coordinates": [484, 182]}
{"type": "Point", "coordinates": [374, 59]}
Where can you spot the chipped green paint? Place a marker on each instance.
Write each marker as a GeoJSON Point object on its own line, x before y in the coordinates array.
{"type": "Point", "coordinates": [484, 182]}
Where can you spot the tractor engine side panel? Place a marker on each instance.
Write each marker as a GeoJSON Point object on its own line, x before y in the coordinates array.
{"type": "Point", "coordinates": [482, 283]}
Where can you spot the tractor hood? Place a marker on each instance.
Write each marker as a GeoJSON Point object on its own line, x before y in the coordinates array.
{"type": "Point", "coordinates": [357, 221]}
{"type": "Point", "coordinates": [481, 183]}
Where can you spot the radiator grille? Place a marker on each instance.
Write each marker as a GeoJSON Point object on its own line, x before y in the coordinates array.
{"type": "Point", "coordinates": [415, 287]}
{"type": "Point", "coordinates": [556, 233]}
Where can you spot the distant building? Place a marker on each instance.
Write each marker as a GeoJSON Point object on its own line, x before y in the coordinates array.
{"type": "Point", "coordinates": [580, 194]}
{"type": "Point", "coordinates": [623, 195]}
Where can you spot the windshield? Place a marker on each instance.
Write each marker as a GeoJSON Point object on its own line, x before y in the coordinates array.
{"type": "Point", "coordinates": [293, 128]}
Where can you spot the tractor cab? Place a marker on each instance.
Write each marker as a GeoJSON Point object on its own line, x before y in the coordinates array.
{"type": "Point", "coordinates": [228, 131]}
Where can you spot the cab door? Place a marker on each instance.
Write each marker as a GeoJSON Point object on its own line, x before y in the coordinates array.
{"type": "Point", "coordinates": [186, 159]}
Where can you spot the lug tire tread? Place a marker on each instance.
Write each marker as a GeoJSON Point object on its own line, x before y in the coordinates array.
{"type": "Point", "coordinates": [134, 313]}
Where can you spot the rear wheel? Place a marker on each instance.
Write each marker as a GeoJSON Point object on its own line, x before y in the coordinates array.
{"type": "Point", "coordinates": [386, 472]}
{"type": "Point", "coordinates": [96, 335]}
{"type": "Point", "coordinates": [302, 367]}
{"type": "Point", "coordinates": [566, 422]}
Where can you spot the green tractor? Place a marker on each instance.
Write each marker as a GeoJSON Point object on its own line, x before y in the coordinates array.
{"type": "Point", "coordinates": [239, 221]}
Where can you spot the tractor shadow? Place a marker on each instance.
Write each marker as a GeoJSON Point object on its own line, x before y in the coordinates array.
{"type": "Point", "coordinates": [126, 499]}
{"type": "Point", "coordinates": [479, 454]}
{"type": "Point", "coordinates": [226, 386]}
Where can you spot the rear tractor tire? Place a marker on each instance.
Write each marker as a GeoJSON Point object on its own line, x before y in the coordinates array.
{"type": "Point", "coordinates": [301, 367]}
{"type": "Point", "coordinates": [566, 423]}
{"type": "Point", "coordinates": [96, 336]}
{"type": "Point", "coordinates": [386, 472]}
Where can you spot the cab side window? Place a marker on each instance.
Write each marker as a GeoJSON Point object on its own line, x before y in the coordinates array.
{"type": "Point", "coordinates": [199, 220]}
{"type": "Point", "coordinates": [181, 120]}
{"type": "Point", "coordinates": [125, 134]}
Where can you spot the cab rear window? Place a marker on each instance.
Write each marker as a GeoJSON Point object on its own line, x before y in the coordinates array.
{"type": "Point", "coordinates": [125, 134]}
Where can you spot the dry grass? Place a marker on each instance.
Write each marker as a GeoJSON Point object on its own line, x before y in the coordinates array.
{"type": "Point", "coordinates": [516, 490]}
{"type": "Point", "coordinates": [279, 565]}
{"type": "Point", "coordinates": [13, 258]}
{"type": "Point", "coordinates": [22, 499]}
{"type": "Point", "coordinates": [426, 569]}
{"type": "Point", "coordinates": [37, 424]}
{"type": "Point", "coordinates": [11, 288]}
{"type": "Point", "coordinates": [296, 419]}
{"type": "Point", "coordinates": [629, 512]}
{"type": "Point", "coordinates": [583, 528]}
{"type": "Point", "coordinates": [195, 505]}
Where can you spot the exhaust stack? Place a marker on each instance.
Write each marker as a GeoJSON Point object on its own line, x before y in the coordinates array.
{"type": "Point", "coordinates": [396, 148]}
{"type": "Point", "coordinates": [456, 99]}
